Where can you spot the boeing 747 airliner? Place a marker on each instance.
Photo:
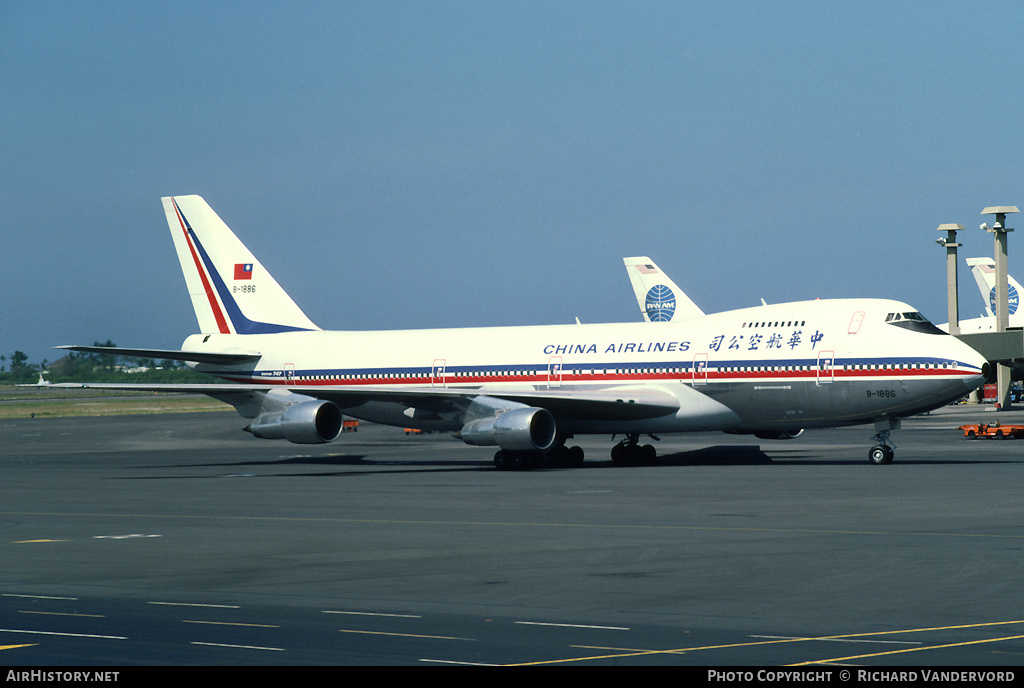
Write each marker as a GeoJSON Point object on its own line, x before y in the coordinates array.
{"type": "Point", "coordinates": [770, 370]}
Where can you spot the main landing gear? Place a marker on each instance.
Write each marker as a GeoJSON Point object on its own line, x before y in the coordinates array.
{"type": "Point", "coordinates": [883, 452]}
{"type": "Point", "coordinates": [558, 456]}
{"type": "Point", "coordinates": [629, 451]}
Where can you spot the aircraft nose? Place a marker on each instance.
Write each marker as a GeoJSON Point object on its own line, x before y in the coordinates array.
{"type": "Point", "coordinates": [976, 360]}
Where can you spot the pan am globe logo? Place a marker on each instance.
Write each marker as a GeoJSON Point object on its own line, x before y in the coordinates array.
{"type": "Point", "coordinates": [1012, 300]}
{"type": "Point", "coordinates": [660, 303]}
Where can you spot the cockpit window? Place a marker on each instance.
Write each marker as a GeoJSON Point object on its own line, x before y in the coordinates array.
{"type": "Point", "coordinates": [913, 321]}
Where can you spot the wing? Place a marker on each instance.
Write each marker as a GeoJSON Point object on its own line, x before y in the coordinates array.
{"type": "Point", "coordinates": [604, 404]}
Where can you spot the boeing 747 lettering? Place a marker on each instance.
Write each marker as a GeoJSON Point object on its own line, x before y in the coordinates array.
{"type": "Point", "coordinates": [770, 370]}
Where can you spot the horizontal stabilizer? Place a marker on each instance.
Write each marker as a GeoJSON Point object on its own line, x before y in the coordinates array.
{"type": "Point", "coordinates": [168, 354]}
{"type": "Point", "coordinates": [211, 389]}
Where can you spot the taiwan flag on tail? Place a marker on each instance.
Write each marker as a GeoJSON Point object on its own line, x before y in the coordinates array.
{"type": "Point", "coordinates": [243, 271]}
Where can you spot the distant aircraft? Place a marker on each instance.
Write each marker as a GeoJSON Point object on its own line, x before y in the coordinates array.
{"type": "Point", "coordinates": [658, 295]}
{"type": "Point", "coordinates": [767, 370]}
{"type": "Point", "coordinates": [659, 298]}
{"type": "Point", "coordinates": [43, 382]}
{"type": "Point", "coordinates": [984, 271]}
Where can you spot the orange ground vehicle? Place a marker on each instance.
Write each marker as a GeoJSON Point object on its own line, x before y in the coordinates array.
{"type": "Point", "coordinates": [992, 430]}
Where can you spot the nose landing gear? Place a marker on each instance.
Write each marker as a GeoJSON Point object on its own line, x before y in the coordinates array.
{"type": "Point", "coordinates": [883, 452]}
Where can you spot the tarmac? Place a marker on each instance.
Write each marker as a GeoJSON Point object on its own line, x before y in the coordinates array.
{"type": "Point", "coordinates": [179, 539]}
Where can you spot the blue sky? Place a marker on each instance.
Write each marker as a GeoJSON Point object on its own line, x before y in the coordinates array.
{"type": "Point", "coordinates": [436, 164]}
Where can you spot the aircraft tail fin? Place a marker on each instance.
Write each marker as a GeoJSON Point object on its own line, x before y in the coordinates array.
{"type": "Point", "coordinates": [984, 271]}
{"type": "Point", "coordinates": [659, 298]}
{"type": "Point", "coordinates": [231, 291]}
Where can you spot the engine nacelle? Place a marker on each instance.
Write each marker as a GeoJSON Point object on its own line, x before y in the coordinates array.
{"type": "Point", "coordinates": [308, 422]}
{"type": "Point", "coordinates": [521, 429]}
{"type": "Point", "coordinates": [780, 435]}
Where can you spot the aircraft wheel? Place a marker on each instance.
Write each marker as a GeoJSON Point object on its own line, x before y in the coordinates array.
{"type": "Point", "coordinates": [632, 454]}
{"type": "Point", "coordinates": [501, 461]}
{"type": "Point", "coordinates": [520, 461]}
{"type": "Point", "coordinates": [880, 455]}
{"type": "Point", "coordinates": [626, 454]}
{"type": "Point", "coordinates": [558, 457]}
{"type": "Point", "coordinates": [575, 457]}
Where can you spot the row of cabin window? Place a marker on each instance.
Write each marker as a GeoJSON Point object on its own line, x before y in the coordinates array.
{"type": "Point", "coordinates": [635, 371]}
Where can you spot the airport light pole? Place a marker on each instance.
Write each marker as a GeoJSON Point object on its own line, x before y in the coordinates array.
{"type": "Point", "coordinates": [952, 300]}
{"type": "Point", "coordinates": [1000, 230]}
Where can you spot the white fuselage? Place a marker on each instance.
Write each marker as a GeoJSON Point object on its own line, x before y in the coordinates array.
{"type": "Point", "coordinates": [793, 365]}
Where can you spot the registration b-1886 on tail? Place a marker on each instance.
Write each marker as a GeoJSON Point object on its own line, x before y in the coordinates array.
{"type": "Point", "coordinates": [771, 370]}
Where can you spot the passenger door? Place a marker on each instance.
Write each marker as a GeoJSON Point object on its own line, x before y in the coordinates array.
{"type": "Point", "coordinates": [826, 367]}
{"type": "Point", "coordinates": [700, 369]}
{"type": "Point", "coordinates": [437, 373]}
{"type": "Point", "coordinates": [555, 372]}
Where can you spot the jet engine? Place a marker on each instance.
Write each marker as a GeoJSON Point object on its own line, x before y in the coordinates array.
{"type": "Point", "coordinates": [521, 429]}
{"type": "Point", "coordinates": [307, 422]}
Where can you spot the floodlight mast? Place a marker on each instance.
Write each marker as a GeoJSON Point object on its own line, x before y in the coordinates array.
{"type": "Point", "coordinates": [1000, 230]}
{"type": "Point", "coordinates": [952, 300]}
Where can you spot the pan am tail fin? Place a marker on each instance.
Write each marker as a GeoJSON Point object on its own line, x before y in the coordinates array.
{"type": "Point", "coordinates": [659, 298]}
{"type": "Point", "coordinates": [984, 271]}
